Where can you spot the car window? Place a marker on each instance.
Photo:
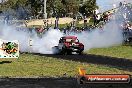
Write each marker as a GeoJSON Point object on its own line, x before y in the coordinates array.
{"type": "Point", "coordinates": [72, 40]}
{"type": "Point", "coordinates": [69, 40]}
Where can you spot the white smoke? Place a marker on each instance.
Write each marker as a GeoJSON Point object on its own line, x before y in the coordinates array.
{"type": "Point", "coordinates": [110, 36]}
{"type": "Point", "coordinates": [30, 42]}
{"type": "Point", "coordinates": [39, 45]}
{"type": "Point", "coordinates": [49, 40]}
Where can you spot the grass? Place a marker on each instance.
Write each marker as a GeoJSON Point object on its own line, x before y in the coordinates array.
{"type": "Point", "coordinates": [64, 25]}
{"type": "Point", "coordinates": [115, 51]}
{"type": "Point", "coordinates": [29, 65]}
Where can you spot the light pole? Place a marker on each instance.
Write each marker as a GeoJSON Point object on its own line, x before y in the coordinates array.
{"type": "Point", "coordinates": [45, 13]}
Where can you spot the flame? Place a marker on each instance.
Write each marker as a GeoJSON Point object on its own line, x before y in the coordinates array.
{"type": "Point", "coordinates": [82, 71]}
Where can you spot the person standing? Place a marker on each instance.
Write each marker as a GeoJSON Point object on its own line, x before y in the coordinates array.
{"type": "Point", "coordinates": [95, 19]}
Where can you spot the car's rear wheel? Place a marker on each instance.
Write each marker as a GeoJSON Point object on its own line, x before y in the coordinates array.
{"type": "Point", "coordinates": [63, 51]}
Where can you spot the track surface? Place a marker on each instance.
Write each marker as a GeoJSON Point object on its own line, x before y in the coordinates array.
{"type": "Point", "coordinates": [120, 63]}
{"type": "Point", "coordinates": [52, 83]}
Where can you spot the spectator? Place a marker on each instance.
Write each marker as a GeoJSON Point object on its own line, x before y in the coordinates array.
{"type": "Point", "coordinates": [95, 19]}
{"type": "Point", "coordinates": [120, 4]}
{"type": "Point", "coordinates": [109, 16]}
{"type": "Point", "coordinates": [41, 29]}
{"type": "Point", "coordinates": [105, 17]}
{"type": "Point", "coordinates": [98, 19]}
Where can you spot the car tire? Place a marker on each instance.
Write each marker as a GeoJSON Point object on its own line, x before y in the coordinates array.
{"type": "Point", "coordinates": [64, 51]}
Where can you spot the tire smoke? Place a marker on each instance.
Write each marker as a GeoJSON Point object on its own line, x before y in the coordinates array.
{"type": "Point", "coordinates": [30, 42]}
{"type": "Point", "coordinates": [111, 35]}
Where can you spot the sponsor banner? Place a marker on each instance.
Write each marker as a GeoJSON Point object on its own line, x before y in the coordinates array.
{"type": "Point", "coordinates": [9, 49]}
{"type": "Point", "coordinates": [107, 78]}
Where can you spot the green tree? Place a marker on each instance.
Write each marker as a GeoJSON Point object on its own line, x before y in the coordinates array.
{"type": "Point", "coordinates": [88, 7]}
{"type": "Point", "coordinates": [55, 7]}
{"type": "Point", "coordinates": [73, 6]}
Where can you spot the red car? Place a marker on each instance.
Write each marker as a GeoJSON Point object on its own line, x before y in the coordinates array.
{"type": "Point", "coordinates": [69, 44]}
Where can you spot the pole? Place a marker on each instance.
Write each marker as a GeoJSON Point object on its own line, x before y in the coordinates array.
{"type": "Point", "coordinates": [30, 45]}
{"type": "Point", "coordinates": [45, 14]}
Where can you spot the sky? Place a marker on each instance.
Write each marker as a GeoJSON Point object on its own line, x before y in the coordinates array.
{"type": "Point", "coordinates": [2, 0]}
{"type": "Point", "coordinates": [108, 4]}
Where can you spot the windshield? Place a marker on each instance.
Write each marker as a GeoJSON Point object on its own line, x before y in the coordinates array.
{"type": "Point", "coordinates": [72, 40]}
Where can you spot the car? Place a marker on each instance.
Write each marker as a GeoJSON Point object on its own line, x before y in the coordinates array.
{"type": "Point", "coordinates": [68, 45]}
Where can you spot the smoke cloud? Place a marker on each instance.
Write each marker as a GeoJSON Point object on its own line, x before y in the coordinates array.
{"type": "Point", "coordinates": [110, 35]}
{"type": "Point", "coordinates": [29, 41]}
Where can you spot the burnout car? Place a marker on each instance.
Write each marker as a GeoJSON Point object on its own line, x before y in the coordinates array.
{"type": "Point", "coordinates": [68, 45]}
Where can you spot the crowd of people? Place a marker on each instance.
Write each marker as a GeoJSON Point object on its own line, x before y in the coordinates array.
{"type": "Point", "coordinates": [127, 32]}
{"type": "Point", "coordinates": [99, 20]}
{"type": "Point", "coordinates": [72, 28]}
{"type": "Point", "coordinates": [126, 26]}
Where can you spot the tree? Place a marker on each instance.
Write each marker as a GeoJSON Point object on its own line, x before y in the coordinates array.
{"type": "Point", "coordinates": [88, 7]}
{"type": "Point", "coordinates": [54, 7]}
{"type": "Point", "coordinates": [59, 8]}
{"type": "Point", "coordinates": [73, 6]}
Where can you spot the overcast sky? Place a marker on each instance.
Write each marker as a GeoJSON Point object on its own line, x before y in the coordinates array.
{"type": "Point", "coordinates": [2, 0]}
{"type": "Point", "coordinates": [108, 4]}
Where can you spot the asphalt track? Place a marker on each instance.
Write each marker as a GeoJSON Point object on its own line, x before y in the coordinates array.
{"type": "Point", "coordinates": [53, 83]}
{"type": "Point", "coordinates": [119, 63]}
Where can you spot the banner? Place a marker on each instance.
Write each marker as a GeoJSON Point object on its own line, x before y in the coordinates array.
{"type": "Point", "coordinates": [84, 78]}
{"type": "Point", "coordinates": [9, 49]}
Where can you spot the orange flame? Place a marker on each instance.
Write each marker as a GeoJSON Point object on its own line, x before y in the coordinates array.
{"type": "Point", "coordinates": [82, 71]}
